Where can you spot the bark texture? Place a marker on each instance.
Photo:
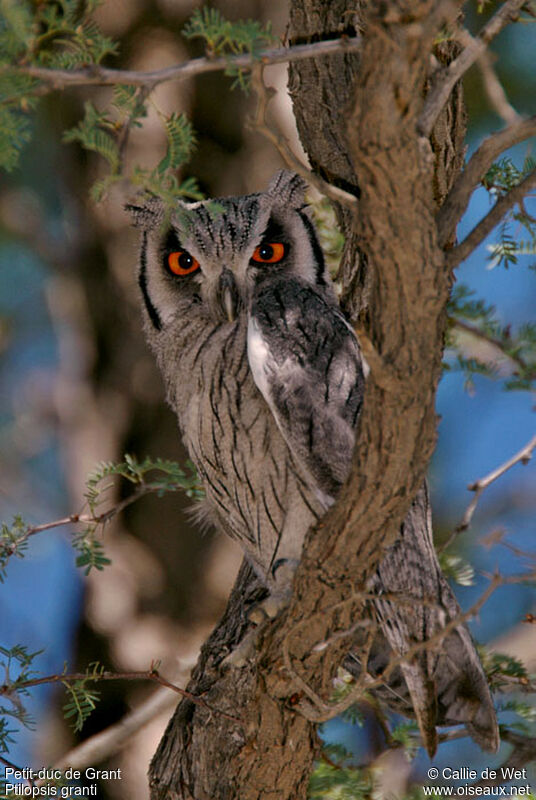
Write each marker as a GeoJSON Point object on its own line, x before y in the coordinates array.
{"type": "Point", "coordinates": [358, 122]}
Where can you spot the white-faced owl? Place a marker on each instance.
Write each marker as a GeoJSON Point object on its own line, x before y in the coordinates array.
{"type": "Point", "coordinates": [267, 381]}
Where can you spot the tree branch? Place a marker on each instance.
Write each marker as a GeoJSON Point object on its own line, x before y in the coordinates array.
{"type": "Point", "coordinates": [492, 218]}
{"type": "Point", "coordinates": [448, 77]}
{"type": "Point", "coordinates": [492, 85]}
{"type": "Point", "coordinates": [523, 456]}
{"type": "Point", "coordinates": [260, 124]}
{"type": "Point", "coordinates": [495, 90]}
{"type": "Point", "coordinates": [149, 675]}
{"type": "Point", "coordinates": [477, 166]}
{"type": "Point", "coordinates": [95, 75]}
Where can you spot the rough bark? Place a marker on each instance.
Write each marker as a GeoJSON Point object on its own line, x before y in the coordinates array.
{"type": "Point", "coordinates": [395, 271]}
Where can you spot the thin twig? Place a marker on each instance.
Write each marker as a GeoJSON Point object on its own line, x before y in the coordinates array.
{"type": "Point", "coordinates": [149, 675]}
{"type": "Point", "coordinates": [279, 141]}
{"type": "Point", "coordinates": [517, 684]}
{"type": "Point", "coordinates": [84, 519]}
{"type": "Point", "coordinates": [450, 75]}
{"type": "Point", "coordinates": [102, 76]}
{"type": "Point", "coordinates": [492, 85]}
{"type": "Point", "coordinates": [491, 220]}
{"type": "Point", "coordinates": [495, 91]}
{"type": "Point", "coordinates": [458, 198]}
{"type": "Point", "coordinates": [523, 456]}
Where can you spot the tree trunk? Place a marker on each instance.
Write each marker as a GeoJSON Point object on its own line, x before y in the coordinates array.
{"type": "Point", "coordinates": [358, 121]}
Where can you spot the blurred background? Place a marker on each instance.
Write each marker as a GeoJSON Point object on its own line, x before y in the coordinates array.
{"type": "Point", "coordinates": [79, 386]}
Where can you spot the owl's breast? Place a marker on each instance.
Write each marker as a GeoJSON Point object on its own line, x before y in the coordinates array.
{"type": "Point", "coordinates": [255, 487]}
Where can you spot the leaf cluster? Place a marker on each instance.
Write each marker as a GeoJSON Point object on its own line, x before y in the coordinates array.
{"type": "Point", "coordinates": [501, 178]}
{"type": "Point", "coordinates": [13, 542]}
{"type": "Point", "coordinates": [457, 569]}
{"type": "Point", "coordinates": [61, 35]}
{"type": "Point", "coordinates": [106, 133]}
{"type": "Point", "coordinates": [499, 666]}
{"type": "Point", "coordinates": [335, 777]}
{"type": "Point", "coordinates": [225, 38]}
{"type": "Point", "coordinates": [19, 659]}
{"type": "Point", "coordinates": [150, 476]}
{"type": "Point", "coordinates": [57, 35]}
{"type": "Point", "coordinates": [81, 699]}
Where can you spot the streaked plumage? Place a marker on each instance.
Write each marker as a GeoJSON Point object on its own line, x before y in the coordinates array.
{"type": "Point", "coordinates": [267, 381]}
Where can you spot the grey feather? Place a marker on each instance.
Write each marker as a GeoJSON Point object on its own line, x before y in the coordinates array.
{"type": "Point", "coordinates": [267, 404]}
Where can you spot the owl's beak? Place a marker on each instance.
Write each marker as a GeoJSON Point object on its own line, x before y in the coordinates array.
{"type": "Point", "coordinates": [229, 294]}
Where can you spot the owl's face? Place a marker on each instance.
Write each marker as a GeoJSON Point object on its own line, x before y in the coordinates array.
{"type": "Point", "coordinates": [214, 253]}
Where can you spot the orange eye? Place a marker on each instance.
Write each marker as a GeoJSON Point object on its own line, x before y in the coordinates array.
{"type": "Point", "coordinates": [269, 253]}
{"type": "Point", "coordinates": [182, 263]}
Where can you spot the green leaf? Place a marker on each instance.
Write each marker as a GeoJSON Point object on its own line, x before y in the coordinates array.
{"type": "Point", "coordinates": [13, 542]}
{"type": "Point", "coordinates": [15, 132]}
{"type": "Point", "coordinates": [456, 568]}
{"type": "Point", "coordinates": [180, 142]}
{"type": "Point", "coordinates": [222, 36]}
{"type": "Point", "coordinates": [16, 30]}
{"type": "Point", "coordinates": [92, 134]}
{"type": "Point", "coordinates": [81, 703]}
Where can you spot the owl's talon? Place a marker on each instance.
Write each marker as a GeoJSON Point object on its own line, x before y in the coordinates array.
{"type": "Point", "coordinates": [267, 609]}
{"type": "Point", "coordinates": [245, 651]}
{"type": "Point", "coordinates": [260, 613]}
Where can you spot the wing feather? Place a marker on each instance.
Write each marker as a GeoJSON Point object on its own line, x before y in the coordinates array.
{"type": "Point", "coordinates": [306, 363]}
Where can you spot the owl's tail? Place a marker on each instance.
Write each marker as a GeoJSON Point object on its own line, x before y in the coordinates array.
{"type": "Point", "coordinates": [442, 681]}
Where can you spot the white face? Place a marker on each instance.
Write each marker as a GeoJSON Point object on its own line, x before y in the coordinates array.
{"type": "Point", "coordinates": [216, 252]}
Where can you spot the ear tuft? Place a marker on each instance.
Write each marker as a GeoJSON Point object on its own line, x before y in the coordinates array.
{"type": "Point", "coordinates": [146, 214]}
{"type": "Point", "coordinates": [288, 187]}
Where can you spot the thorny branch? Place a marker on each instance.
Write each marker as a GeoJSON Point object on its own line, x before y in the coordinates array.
{"type": "Point", "coordinates": [95, 75]}
{"type": "Point", "coordinates": [479, 163]}
{"type": "Point", "coordinates": [492, 218]}
{"type": "Point", "coordinates": [523, 456]}
{"type": "Point", "coordinates": [151, 674]}
{"type": "Point", "coordinates": [8, 549]}
{"type": "Point", "coordinates": [449, 76]}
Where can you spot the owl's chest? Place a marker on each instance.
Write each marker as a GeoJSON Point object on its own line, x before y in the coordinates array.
{"type": "Point", "coordinates": [226, 423]}
{"type": "Point", "coordinates": [258, 491]}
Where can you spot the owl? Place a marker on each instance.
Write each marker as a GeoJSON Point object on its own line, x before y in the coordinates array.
{"type": "Point", "coordinates": [267, 380]}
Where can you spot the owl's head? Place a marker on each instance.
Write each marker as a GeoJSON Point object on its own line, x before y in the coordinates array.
{"type": "Point", "coordinates": [215, 252]}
